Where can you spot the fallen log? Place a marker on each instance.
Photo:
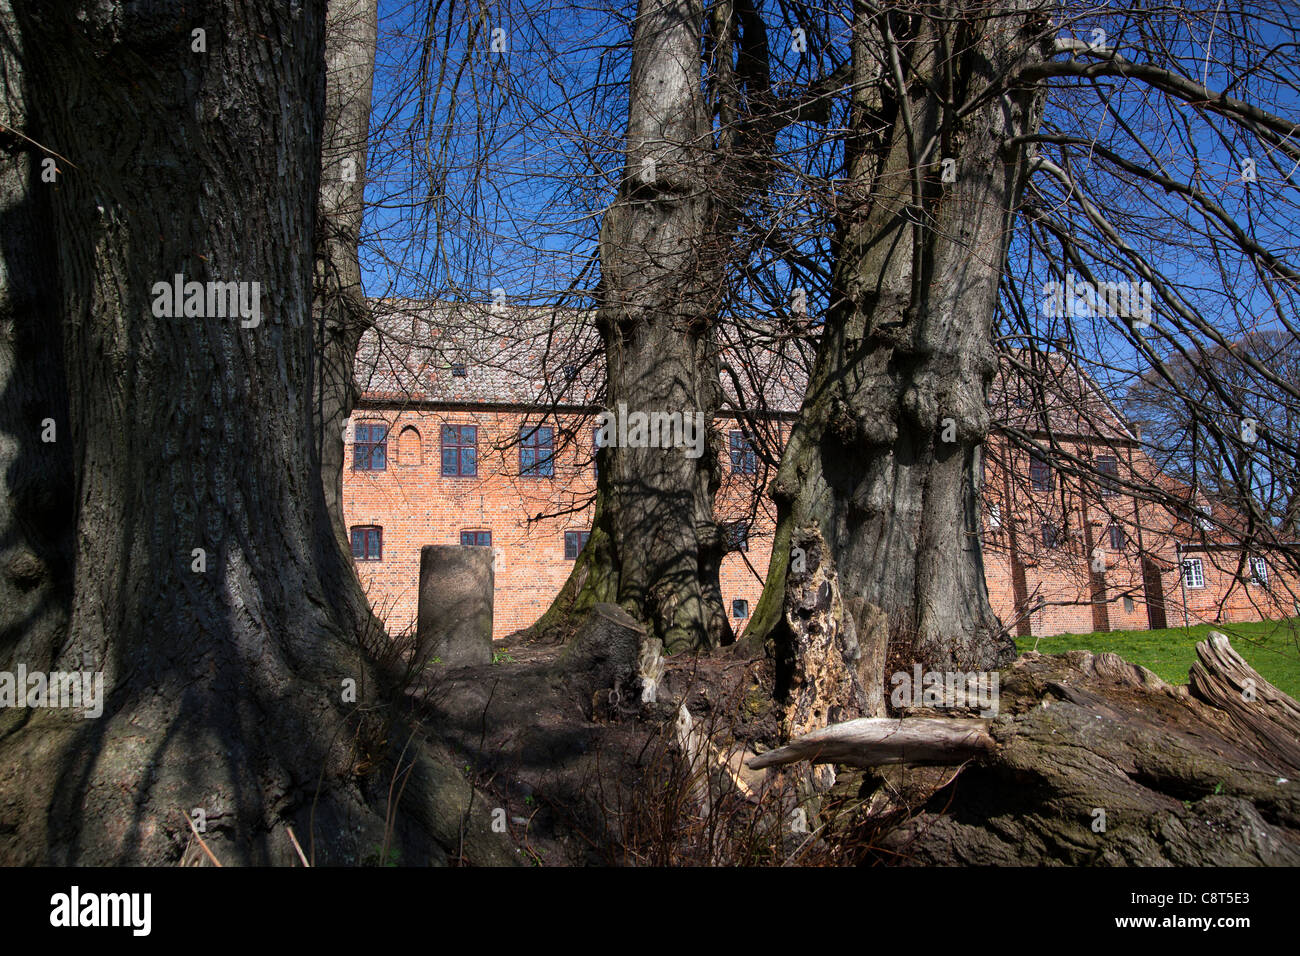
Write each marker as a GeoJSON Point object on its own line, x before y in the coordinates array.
{"type": "Point", "coordinates": [1091, 761]}
{"type": "Point", "coordinates": [879, 741]}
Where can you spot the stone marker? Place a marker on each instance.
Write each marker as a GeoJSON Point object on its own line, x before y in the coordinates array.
{"type": "Point", "coordinates": [454, 622]}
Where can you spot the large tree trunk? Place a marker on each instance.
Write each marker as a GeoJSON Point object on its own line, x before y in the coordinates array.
{"type": "Point", "coordinates": [883, 460]}
{"type": "Point", "coordinates": [35, 465]}
{"type": "Point", "coordinates": [209, 586]}
{"type": "Point", "coordinates": [655, 547]}
{"type": "Point", "coordinates": [340, 312]}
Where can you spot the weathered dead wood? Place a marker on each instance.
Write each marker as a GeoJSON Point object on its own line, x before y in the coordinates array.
{"type": "Point", "coordinates": [1099, 762]}
{"type": "Point", "coordinates": [826, 676]}
{"type": "Point", "coordinates": [876, 741]}
{"type": "Point", "coordinates": [1224, 680]}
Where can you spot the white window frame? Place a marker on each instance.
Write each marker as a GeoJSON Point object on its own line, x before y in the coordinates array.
{"type": "Point", "coordinates": [1258, 572]}
{"type": "Point", "coordinates": [1196, 565]}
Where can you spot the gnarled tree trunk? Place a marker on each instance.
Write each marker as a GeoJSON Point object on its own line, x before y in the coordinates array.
{"type": "Point", "coordinates": [35, 464]}
{"type": "Point", "coordinates": [883, 461]}
{"type": "Point", "coordinates": [210, 589]}
{"type": "Point", "coordinates": [655, 547]}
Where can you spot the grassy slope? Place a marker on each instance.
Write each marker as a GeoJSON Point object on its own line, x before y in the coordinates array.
{"type": "Point", "coordinates": [1271, 647]}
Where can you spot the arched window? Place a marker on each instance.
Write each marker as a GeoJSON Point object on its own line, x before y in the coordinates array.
{"type": "Point", "coordinates": [409, 449]}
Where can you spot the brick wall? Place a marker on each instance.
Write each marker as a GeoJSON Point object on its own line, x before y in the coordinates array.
{"type": "Point", "coordinates": [416, 505]}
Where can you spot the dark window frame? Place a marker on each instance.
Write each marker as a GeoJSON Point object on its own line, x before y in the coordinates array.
{"type": "Point", "coordinates": [366, 530]}
{"type": "Point", "coordinates": [1112, 532]}
{"type": "Point", "coordinates": [364, 449]}
{"type": "Point", "coordinates": [744, 459]}
{"type": "Point", "coordinates": [736, 535]}
{"type": "Point", "coordinates": [531, 445]}
{"type": "Point", "coordinates": [1041, 478]}
{"type": "Point", "coordinates": [460, 446]}
{"type": "Point", "coordinates": [1108, 474]}
{"type": "Point", "coordinates": [574, 542]}
{"type": "Point", "coordinates": [739, 608]}
{"type": "Point", "coordinates": [474, 536]}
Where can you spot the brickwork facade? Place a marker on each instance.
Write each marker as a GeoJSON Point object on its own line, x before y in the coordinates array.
{"type": "Point", "coordinates": [1073, 578]}
{"type": "Point", "coordinates": [460, 405]}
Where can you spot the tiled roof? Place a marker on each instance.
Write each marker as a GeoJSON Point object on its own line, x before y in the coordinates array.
{"type": "Point", "coordinates": [511, 355]}
{"type": "Point", "coordinates": [1037, 392]}
{"type": "Point", "coordinates": [525, 355]}
{"type": "Point", "coordinates": [536, 355]}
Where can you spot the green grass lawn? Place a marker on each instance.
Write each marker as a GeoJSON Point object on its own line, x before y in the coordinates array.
{"type": "Point", "coordinates": [1271, 647]}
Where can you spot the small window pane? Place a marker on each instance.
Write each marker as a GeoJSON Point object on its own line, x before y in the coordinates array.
{"type": "Point", "coordinates": [370, 447]}
{"type": "Point", "coordinates": [1040, 473]}
{"type": "Point", "coordinates": [537, 452]}
{"type": "Point", "coordinates": [743, 458]}
{"type": "Point", "coordinates": [482, 539]}
{"type": "Point", "coordinates": [1258, 572]}
{"type": "Point", "coordinates": [367, 543]}
{"type": "Point", "coordinates": [574, 542]}
{"type": "Point", "coordinates": [460, 451]}
{"type": "Point", "coordinates": [1108, 469]}
{"type": "Point", "coordinates": [737, 535]}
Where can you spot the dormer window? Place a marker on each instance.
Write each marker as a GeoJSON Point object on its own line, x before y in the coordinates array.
{"type": "Point", "coordinates": [459, 370]}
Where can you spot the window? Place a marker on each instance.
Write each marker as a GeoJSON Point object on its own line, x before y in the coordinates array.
{"type": "Point", "coordinates": [460, 451]}
{"type": "Point", "coordinates": [1129, 606]}
{"type": "Point", "coordinates": [1116, 537]}
{"type": "Point", "coordinates": [1040, 472]}
{"type": "Point", "coordinates": [737, 535]}
{"type": "Point", "coordinates": [595, 454]}
{"type": "Point", "coordinates": [1259, 572]}
{"type": "Point", "coordinates": [367, 543]}
{"type": "Point", "coordinates": [1108, 469]}
{"type": "Point", "coordinates": [370, 448]}
{"type": "Point", "coordinates": [743, 459]}
{"type": "Point", "coordinates": [570, 373]}
{"type": "Point", "coordinates": [459, 370]}
{"type": "Point", "coordinates": [740, 608]}
{"type": "Point", "coordinates": [574, 542]}
{"type": "Point", "coordinates": [473, 539]}
{"type": "Point", "coordinates": [409, 449]}
{"type": "Point", "coordinates": [995, 517]}
{"type": "Point", "coordinates": [1193, 573]}
{"type": "Point", "coordinates": [1051, 535]}
{"type": "Point", "coordinates": [537, 452]}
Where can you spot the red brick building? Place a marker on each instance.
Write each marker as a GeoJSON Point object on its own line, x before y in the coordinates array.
{"type": "Point", "coordinates": [478, 426]}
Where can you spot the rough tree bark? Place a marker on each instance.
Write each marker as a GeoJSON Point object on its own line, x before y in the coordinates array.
{"type": "Point", "coordinates": [35, 468]}
{"type": "Point", "coordinates": [883, 460]}
{"type": "Point", "coordinates": [340, 312]}
{"type": "Point", "coordinates": [224, 668]}
{"type": "Point", "coordinates": [655, 547]}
